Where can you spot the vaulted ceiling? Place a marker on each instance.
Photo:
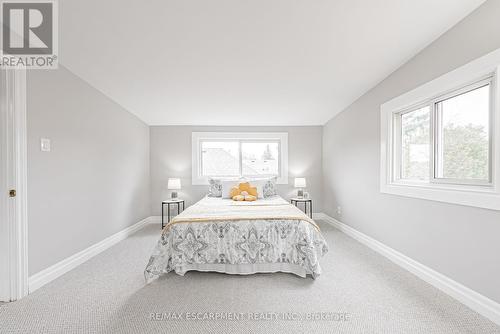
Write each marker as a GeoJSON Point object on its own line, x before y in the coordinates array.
{"type": "Point", "coordinates": [240, 62]}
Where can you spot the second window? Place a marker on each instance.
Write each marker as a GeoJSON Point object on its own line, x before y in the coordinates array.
{"type": "Point", "coordinates": [447, 139]}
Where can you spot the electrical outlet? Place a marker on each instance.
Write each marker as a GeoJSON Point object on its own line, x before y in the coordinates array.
{"type": "Point", "coordinates": [339, 211]}
{"type": "Point", "coordinates": [45, 144]}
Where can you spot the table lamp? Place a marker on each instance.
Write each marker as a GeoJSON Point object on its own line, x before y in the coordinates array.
{"type": "Point", "coordinates": [174, 184]}
{"type": "Point", "coordinates": [300, 183]}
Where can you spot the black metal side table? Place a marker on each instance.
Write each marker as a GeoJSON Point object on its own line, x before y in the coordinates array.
{"type": "Point", "coordinates": [307, 202]}
{"type": "Point", "coordinates": [168, 202]}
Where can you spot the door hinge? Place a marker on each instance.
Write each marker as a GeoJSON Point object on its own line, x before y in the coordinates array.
{"type": "Point", "coordinates": [12, 193]}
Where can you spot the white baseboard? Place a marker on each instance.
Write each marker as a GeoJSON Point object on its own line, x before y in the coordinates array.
{"type": "Point", "coordinates": [49, 274]}
{"type": "Point", "coordinates": [479, 303]}
{"type": "Point", "coordinates": [157, 219]}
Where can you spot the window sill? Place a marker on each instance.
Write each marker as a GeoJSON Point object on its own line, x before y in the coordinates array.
{"type": "Point", "coordinates": [481, 197]}
{"type": "Point", "coordinates": [203, 181]}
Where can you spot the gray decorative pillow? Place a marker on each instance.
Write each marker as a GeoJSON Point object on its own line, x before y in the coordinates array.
{"type": "Point", "coordinates": [270, 188]}
{"type": "Point", "coordinates": [214, 188]}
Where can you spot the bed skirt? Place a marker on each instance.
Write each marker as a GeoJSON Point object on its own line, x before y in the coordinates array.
{"type": "Point", "coordinates": [241, 269]}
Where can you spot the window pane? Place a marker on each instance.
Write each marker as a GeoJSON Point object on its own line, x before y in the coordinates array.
{"type": "Point", "coordinates": [260, 158]}
{"type": "Point", "coordinates": [220, 158]}
{"type": "Point", "coordinates": [415, 142]}
{"type": "Point", "coordinates": [463, 136]}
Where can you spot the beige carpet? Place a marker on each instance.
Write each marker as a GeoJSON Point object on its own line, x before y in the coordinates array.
{"type": "Point", "coordinates": [368, 293]}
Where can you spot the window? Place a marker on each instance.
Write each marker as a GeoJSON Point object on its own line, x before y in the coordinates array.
{"type": "Point", "coordinates": [463, 136]}
{"type": "Point", "coordinates": [239, 154]}
{"type": "Point", "coordinates": [438, 140]}
{"type": "Point", "coordinates": [460, 144]}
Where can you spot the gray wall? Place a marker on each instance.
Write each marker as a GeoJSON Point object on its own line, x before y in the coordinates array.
{"type": "Point", "coordinates": [458, 241]}
{"type": "Point", "coordinates": [171, 157]}
{"type": "Point", "coordinates": [95, 181]}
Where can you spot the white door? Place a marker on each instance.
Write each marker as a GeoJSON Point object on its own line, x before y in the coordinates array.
{"type": "Point", "coordinates": [4, 199]}
{"type": "Point", "coordinates": [13, 220]}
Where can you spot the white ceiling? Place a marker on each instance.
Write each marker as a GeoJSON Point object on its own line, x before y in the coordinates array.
{"type": "Point", "coordinates": [240, 62]}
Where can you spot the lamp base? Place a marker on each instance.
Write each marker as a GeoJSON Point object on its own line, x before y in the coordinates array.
{"type": "Point", "coordinates": [173, 195]}
{"type": "Point", "coordinates": [300, 193]}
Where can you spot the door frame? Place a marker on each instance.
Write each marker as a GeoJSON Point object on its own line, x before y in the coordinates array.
{"type": "Point", "coordinates": [13, 175]}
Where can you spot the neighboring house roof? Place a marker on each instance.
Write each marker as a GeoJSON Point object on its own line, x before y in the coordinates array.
{"type": "Point", "coordinates": [216, 161]}
{"type": "Point", "coordinates": [219, 162]}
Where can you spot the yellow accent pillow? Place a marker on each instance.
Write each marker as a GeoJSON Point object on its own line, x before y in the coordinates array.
{"type": "Point", "coordinates": [239, 198]}
{"type": "Point", "coordinates": [244, 192]}
{"type": "Point", "coordinates": [250, 198]}
{"type": "Point", "coordinates": [248, 188]}
{"type": "Point", "coordinates": [235, 191]}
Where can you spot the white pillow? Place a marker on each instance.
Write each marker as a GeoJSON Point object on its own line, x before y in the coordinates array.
{"type": "Point", "coordinates": [227, 185]}
{"type": "Point", "coordinates": [266, 186]}
{"type": "Point", "coordinates": [260, 182]}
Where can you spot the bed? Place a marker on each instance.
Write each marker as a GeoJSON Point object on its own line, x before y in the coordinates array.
{"type": "Point", "coordinates": [221, 235]}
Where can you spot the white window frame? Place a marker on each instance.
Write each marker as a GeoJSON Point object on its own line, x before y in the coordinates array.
{"type": "Point", "coordinates": [478, 194]}
{"type": "Point", "coordinates": [199, 137]}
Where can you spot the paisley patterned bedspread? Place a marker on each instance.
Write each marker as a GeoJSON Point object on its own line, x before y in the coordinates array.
{"type": "Point", "coordinates": [245, 245]}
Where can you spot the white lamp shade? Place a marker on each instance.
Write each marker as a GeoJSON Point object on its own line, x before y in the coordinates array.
{"type": "Point", "coordinates": [300, 182]}
{"type": "Point", "coordinates": [174, 184]}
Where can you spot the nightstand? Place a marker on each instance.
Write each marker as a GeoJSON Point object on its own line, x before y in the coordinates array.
{"type": "Point", "coordinates": [307, 202]}
{"type": "Point", "coordinates": [174, 202]}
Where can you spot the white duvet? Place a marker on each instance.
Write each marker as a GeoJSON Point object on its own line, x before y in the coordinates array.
{"type": "Point", "coordinates": [222, 235]}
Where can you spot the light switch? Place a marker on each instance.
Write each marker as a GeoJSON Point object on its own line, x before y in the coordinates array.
{"type": "Point", "coordinates": [45, 144]}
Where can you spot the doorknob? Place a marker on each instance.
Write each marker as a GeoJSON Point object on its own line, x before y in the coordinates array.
{"type": "Point", "coordinates": [12, 193]}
